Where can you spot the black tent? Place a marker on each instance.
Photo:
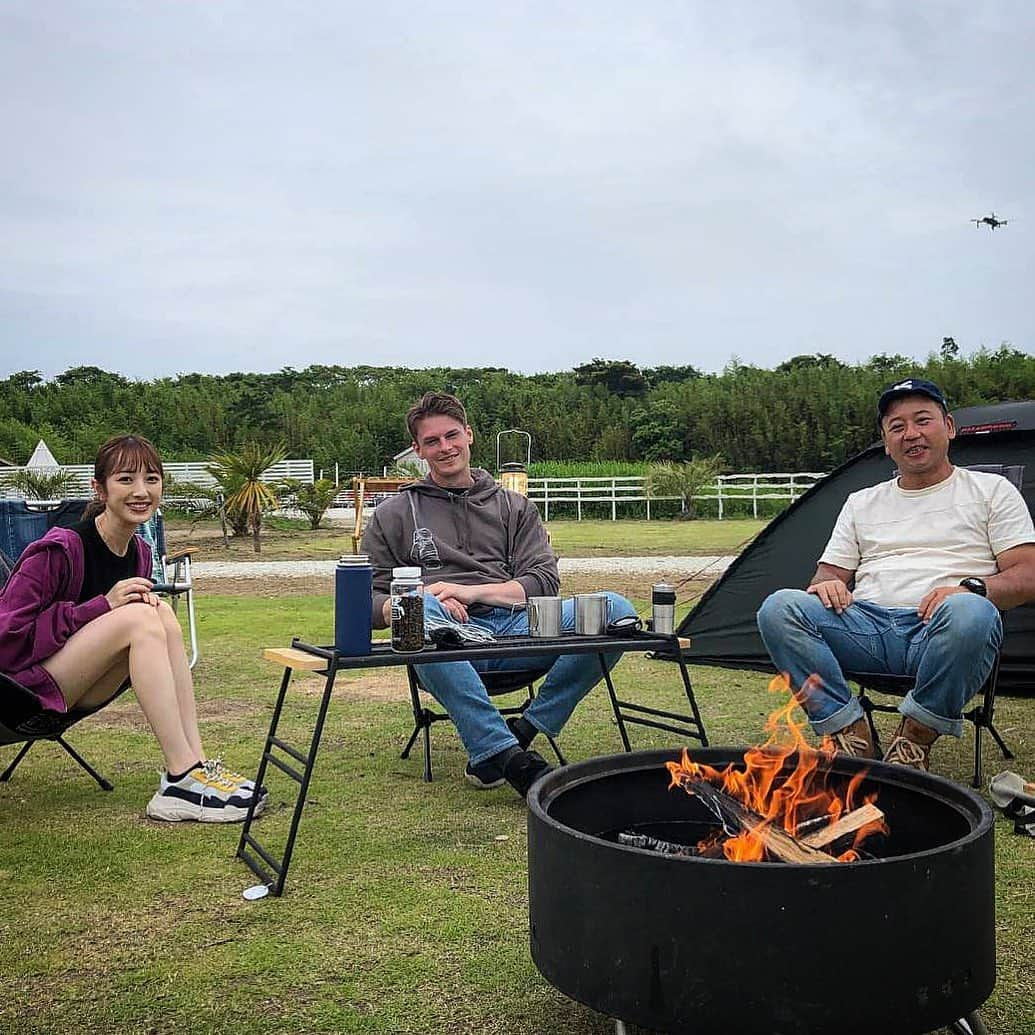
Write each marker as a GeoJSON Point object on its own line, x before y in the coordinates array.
{"type": "Point", "coordinates": [722, 625]}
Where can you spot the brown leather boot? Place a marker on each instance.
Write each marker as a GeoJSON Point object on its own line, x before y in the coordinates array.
{"type": "Point", "coordinates": [911, 745]}
{"type": "Point", "coordinates": [855, 740]}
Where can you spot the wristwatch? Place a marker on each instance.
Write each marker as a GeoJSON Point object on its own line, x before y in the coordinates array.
{"type": "Point", "coordinates": [975, 585]}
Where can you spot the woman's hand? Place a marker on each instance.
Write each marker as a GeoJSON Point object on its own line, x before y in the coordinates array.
{"type": "Point", "coordinates": [132, 591]}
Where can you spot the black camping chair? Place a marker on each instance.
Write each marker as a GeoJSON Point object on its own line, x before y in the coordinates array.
{"type": "Point", "coordinates": [982, 714]}
{"type": "Point", "coordinates": [496, 684]}
{"type": "Point", "coordinates": [24, 720]}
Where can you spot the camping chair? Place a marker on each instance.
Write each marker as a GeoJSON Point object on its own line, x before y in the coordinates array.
{"type": "Point", "coordinates": [496, 683]}
{"type": "Point", "coordinates": [23, 720]}
{"type": "Point", "coordinates": [982, 714]}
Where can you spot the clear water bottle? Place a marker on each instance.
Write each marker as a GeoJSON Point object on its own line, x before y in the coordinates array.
{"type": "Point", "coordinates": [353, 600]}
{"type": "Point", "coordinates": [407, 591]}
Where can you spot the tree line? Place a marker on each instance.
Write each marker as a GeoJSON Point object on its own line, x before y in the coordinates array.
{"type": "Point", "coordinates": [809, 413]}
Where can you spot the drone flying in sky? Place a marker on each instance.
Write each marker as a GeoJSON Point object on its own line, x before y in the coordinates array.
{"type": "Point", "coordinates": [990, 221]}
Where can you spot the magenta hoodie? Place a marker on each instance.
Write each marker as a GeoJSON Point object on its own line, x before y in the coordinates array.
{"type": "Point", "coordinates": [38, 609]}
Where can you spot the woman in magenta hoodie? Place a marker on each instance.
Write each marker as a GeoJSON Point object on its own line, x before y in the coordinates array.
{"type": "Point", "coordinates": [78, 618]}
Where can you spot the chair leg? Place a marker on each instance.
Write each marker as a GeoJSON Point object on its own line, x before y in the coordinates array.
{"type": "Point", "coordinates": [6, 775]}
{"type": "Point", "coordinates": [976, 781]}
{"type": "Point", "coordinates": [104, 784]}
{"type": "Point", "coordinates": [556, 749]}
{"type": "Point", "coordinates": [867, 707]}
{"type": "Point", "coordinates": [409, 744]}
{"type": "Point", "coordinates": [427, 752]}
{"type": "Point", "coordinates": [997, 737]}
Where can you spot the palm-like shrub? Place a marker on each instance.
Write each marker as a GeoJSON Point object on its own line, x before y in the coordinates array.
{"type": "Point", "coordinates": [247, 496]}
{"type": "Point", "coordinates": [311, 499]}
{"type": "Point", "coordinates": [683, 480]}
{"type": "Point", "coordinates": [42, 485]}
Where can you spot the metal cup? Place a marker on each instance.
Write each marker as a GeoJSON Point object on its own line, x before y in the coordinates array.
{"type": "Point", "coordinates": [590, 614]}
{"type": "Point", "coordinates": [544, 616]}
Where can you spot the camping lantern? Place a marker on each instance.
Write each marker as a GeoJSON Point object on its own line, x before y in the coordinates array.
{"type": "Point", "coordinates": [514, 476]}
{"type": "Point", "coordinates": [514, 473]}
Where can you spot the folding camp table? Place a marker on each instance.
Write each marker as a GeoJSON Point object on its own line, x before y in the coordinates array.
{"type": "Point", "coordinates": [298, 764]}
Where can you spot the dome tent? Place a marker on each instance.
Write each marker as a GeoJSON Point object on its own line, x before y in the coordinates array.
{"type": "Point", "coordinates": [722, 626]}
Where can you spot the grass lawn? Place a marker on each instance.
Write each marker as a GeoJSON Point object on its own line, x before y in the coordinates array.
{"type": "Point", "coordinates": [406, 906]}
{"type": "Point", "coordinates": [292, 541]}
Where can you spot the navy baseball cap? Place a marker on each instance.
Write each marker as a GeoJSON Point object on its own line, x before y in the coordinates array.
{"type": "Point", "coordinates": [911, 386]}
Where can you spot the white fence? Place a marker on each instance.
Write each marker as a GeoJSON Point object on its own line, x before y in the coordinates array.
{"type": "Point", "coordinates": [544, 492]}
{"type": "Point", "coordinates": [195, 472]}
{"type": "Point", "coordinates": [727, 488]}
{"type": "Point", "coordinates": [562, 493]}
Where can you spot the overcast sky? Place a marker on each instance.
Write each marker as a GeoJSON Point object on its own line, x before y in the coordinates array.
{"type": "Point", "coordinates": [213, 186]}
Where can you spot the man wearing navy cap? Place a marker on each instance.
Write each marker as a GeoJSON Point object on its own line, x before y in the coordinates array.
{"type": "Point", "coordinates": [911, 583]}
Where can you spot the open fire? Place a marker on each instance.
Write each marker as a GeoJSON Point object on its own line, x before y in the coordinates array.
{"type": "Point", "coordinates": [766, 809]}
{"type": "Point", "coordinates": [673, 939]}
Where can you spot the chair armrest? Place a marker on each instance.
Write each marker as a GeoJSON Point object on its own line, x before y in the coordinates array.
{"type": "Point", "coordinates": [172, 558]}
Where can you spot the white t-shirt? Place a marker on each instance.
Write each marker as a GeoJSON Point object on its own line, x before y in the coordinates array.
{"type": "Point", "coordinates": [902, 543]}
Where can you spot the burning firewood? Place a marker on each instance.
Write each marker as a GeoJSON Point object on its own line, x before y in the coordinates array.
{"type": "Point", "coordinates": [849, 823]}
{"type": "Point", "coordinates": [737, 818]}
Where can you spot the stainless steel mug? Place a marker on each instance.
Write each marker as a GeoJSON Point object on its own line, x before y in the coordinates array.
{"type": "Point", "coordinates": [590, 614]}
{"type": "Point", "coordinates": [544, 616]}
{"type": "Point", "coordinates": [663, 603]}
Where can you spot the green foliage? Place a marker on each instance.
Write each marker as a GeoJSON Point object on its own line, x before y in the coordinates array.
{"type": "Point", "coordinates": [810, 413]}
{"type": "Point", "coordinates": [406, 469]}
{"type": "Point", "coordinates": [683, 480]}
{"type": "Point", "coordinates": [312, 500]}
{"type": "Point", "coordinates": [618, 376]}
{"type": "Point", "coordinates": [239, 474]}
{"type": "Point", "coordinates": [41, 485]}
{"type": "Point", "coordinates": [585, 469]}
{"type": "Point", "coordinates": [819, 359]}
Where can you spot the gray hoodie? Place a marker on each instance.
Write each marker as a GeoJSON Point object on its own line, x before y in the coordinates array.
{"type": "Point", "coordinates": [484, 535]}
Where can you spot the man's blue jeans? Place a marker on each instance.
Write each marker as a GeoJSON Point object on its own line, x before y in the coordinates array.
{"type": "Point", "coordinates": [456, 686]}
{"type": "Point", "coordinates": [949, 657]}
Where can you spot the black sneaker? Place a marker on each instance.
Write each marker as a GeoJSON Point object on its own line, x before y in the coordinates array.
{"type": "Point", "coordinates": [523, 768]}
{"type": "Point", "coordinates": [486, 776]}
{"type": "Point", "coordinates": [523, 730]}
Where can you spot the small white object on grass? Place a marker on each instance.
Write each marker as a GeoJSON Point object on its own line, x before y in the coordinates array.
{"type": "Point", "coordinates": [256, 891]}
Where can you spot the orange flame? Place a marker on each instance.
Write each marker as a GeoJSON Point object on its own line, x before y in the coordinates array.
{"type": "Point", "coordinates": [782, 801]}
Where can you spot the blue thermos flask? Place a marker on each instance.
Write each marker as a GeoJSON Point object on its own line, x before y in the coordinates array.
{"type": "Point", "coordinates": [353, 598]}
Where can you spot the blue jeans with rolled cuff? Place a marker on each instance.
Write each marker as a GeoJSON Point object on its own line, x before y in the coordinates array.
{"type": "Point", "coordinates": [949, 657]}
{"type": "Point", "coordinates": [457, 687]}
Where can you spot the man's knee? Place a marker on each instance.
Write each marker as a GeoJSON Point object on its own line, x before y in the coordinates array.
{"type": "Point", "coordinates": [969, 620]}
{"type": "Point", "coordinates": [781, 605]}
{"type": "Point", "coordinates": [433, 608]}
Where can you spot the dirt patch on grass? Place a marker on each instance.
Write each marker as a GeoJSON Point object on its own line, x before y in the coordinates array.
{"type": "Point", "coordinates": [125, 713]}
{"type": "Point", "coordinates": [267, 588]}
{"type": "Point", "coordinates": [378, 684]}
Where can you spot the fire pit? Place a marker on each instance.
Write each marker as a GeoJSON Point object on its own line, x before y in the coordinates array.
{"type": "Point", "coordinates": [902, 940]}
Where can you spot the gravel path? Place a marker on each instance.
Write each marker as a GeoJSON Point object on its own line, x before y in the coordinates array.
{"type": "Point", "coordinates": [704, 567]}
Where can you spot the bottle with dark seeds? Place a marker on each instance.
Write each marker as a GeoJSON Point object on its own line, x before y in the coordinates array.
{"type": "Point", "coordinates": [407, 592]}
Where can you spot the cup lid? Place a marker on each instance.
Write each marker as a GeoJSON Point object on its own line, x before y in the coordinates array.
{"type": "Point", "coordinates": [406, 573]}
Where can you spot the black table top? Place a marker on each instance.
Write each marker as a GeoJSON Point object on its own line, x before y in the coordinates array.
{"type": "Point", "coordinates": [382, 655]}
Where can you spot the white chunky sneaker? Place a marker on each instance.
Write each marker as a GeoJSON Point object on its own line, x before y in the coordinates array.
{"type": "Point", "coordinates": [207, 794]}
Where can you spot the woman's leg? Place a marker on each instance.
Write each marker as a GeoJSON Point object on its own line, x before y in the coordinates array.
{"type": "Point", "coordinates": [182, 677]}
{"type": "Point", "coordinates": [89, 656]}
